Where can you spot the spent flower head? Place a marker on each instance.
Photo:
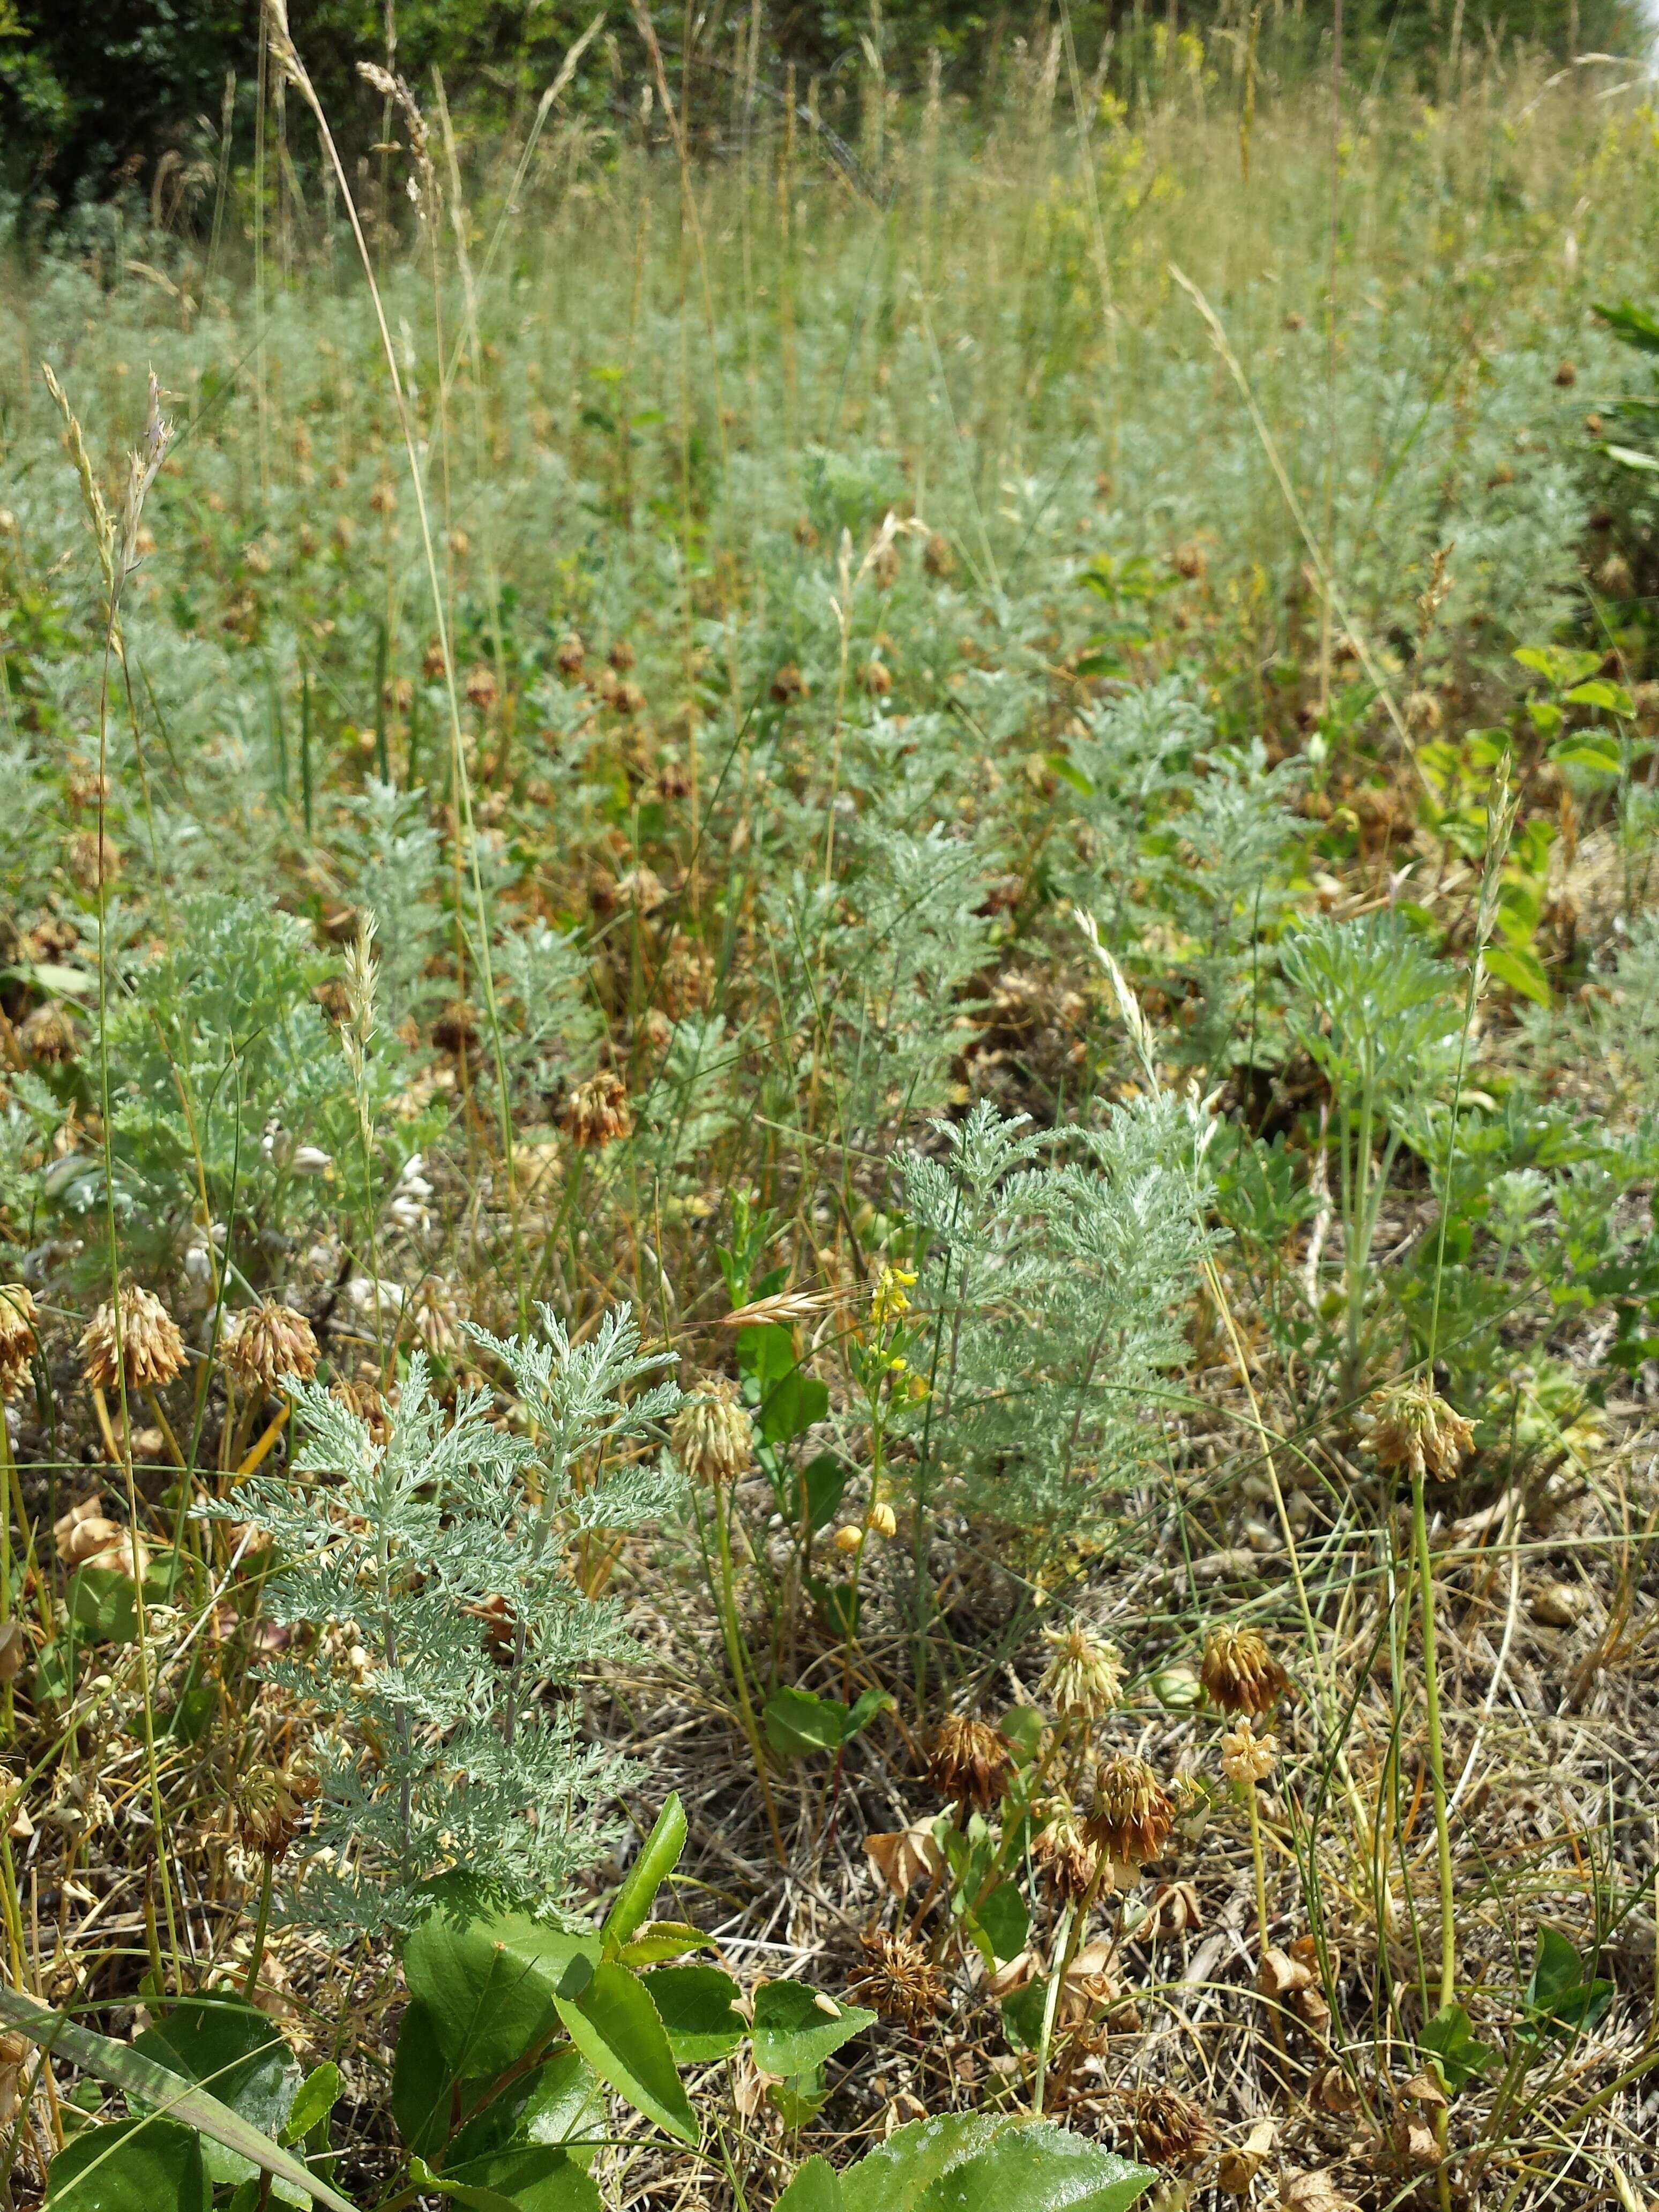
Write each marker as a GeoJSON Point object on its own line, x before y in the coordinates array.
{"type": "Point", "coordinates": [1240, 1672]}
{"type": "Point", "coordinates": [1084, 1677]}
{"type": "Point", "coordinates": [150, 1349]}
{"type": "Point", "coordinates": [713, 1437]}
{"type": "Point", "coordinates": [17, 1337]}
{"type": "Point", "coordinates": [1133, 1813]}
{"type": "Point", "coordinates": [1412, 1427]}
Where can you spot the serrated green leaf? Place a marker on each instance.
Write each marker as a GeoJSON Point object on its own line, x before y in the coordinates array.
{"type": "Point", "coordinates": [793, 2033]}
{"type": "Point", "coordinates": [614, 2026]}
{"type": "Point", "coordinates": [489, 1981]}
{"type": "Point", "coordinates": [696, 2007]}
{"type": "Point", "coordinates": [657, 1857]}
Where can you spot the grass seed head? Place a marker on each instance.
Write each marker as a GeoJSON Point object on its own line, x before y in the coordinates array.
{"type": "Point", "coordinates": [1132, 1813]}
{"type": "Point", "coordinates": [713, 1437]}
{"type": "Point", "coordinates": [1412, 1427]}
{"type": "Point", "coordinates": [899, 1979]}
{"type": "Point", "coordinates": [1240, 1672]}
{"type": "Point", "coordinates": [969, 1761]}
{"type": "Point", "coordinates": [151, 1350]}
{"type": "Point", "coordinates": [267, 1342]}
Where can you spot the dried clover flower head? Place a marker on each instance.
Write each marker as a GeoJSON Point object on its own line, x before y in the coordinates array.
{"type": "Point", "coordinates": [1133, 1813]}
{"type": "Point", "coordinates": [16, 1335]}
{"type": "Point", "coordinates": [713, 1437]}
{"type": "Point", "coordinates": [480, 688]}
{"type": "Point", "coordinates": [1239, 1671]}
{"type": "Point", "coordinates": [1069, 1861]}
{"type": "Point", "coordinates": [887, 1296]}
{"type": "Point", "coordinates": [968, 1761]}
{"type": "Point", "coordinates": [92, 859]}
{"type": "Point", "coordinates": [1247, 1757]}
{"type": "Point", "coordinates": [570, 655]}
{"type": "Point", "coordinates": [48, 1034]}
{"type": "Point", "coordinates": [152, 1351]}
{"type": "Point", "coordinates": [364, 1400]}
{"type": "Point", "coordinates": [1084, 1676]}
{"type": "Point", "coordinates": [1166, 2127]}
{"type": "Point", "coordinates": [596, 1112]}
{"type": "Point", "coordinates": [1413, 1427]}
{"type": "Point", "coordinates": [267, 1342]}
{"type": "Point", "coordinates": [269, 1806]}
{"type": "Point", "coordinates": [899, 1979]}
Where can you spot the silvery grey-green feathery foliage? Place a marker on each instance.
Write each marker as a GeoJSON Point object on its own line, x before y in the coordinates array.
{"type": "Point", "coordinates": [1056, 1290]}
{"type": "Point", "coordinates": [437, 1622]}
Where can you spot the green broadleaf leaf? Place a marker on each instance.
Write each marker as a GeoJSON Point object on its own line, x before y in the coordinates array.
{"type": "Point", "coordinates": [799, 1723]}
{"type": "Point", "coordinates": [697, 2007]}
{"type": "Point", "coordinates": [823, 1481]}
{"type": "Point", "coordinates": [529, 2176]}
{"type": "Point", "coordinates": [981, 2162]}
{"type": "Point", "coordinates": [314, 2099]}
{"type": "Point", "coordinates": [231, 2049]}
{"type": "Point", "coordinates": [1587, 750]}
{"type": "Point", "coordinates": [1006, 1920]}
{"type": "Point", "coordinates": [131, 2071]}
{"type": "Point", "coordinates": [661, 1940]}
{"type": "Point", "coordinates": [489, 1981]}
{"type": "Point", "coordinates": [422, 2083]}
{"type": "Point", "coordinates": [816, 2188]}
{"type": "Point", "coordinates": [792, 2034]}
{"type": "Point", "coordinates": [1450, 2041]}
{"type": "Point", "coordinates": [657, 1857]}
{"type": "Point", "coordinates": [1518, 968]}
{"type": "Point", "coordinates": [1612, 698]}
{"type": "Point", "coordinates": [614, 2026]}
{"type": "Point", "coordinates": [132, 2165]}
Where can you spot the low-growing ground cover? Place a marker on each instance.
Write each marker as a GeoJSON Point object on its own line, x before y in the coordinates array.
{"type": "Point", "coordinates": [829, 1032]}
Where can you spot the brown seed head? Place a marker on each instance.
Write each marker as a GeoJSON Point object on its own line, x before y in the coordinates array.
{"type": "Point", "coordinates": [48, 1035]}
{"type": "Point", "coordinates": [481, 691]}
{"type": "Point", "coordinates": [1190, 560]}
{"type": "Point", "coordinates": [884, 565]}
{"type": "Point", "coordinates": [1133, 1813]}
{"type": "Point", "coordinates": [937, 558]}
{"type": "Point", "coordinates": [673, 781]}
{"type": "Point", "coordinates": [596, 1112]}
{"type": "Point", "coordinates": [621, 656]}
{"type": "Point", "coordinates": [267, 1342]}
{"type": "Point", "coordinates": [788, 685]}
{"type": "Point", "coordinates": [899, 1979]}
{"type": "Point", "coordinates": [570, 655]}
{"type": "Point", "coordinates": [1413, 1427]}
{"type": "Point", "coordinates": [152, 1351]}
{"type": "Point", "coordinates": [456, 1029]}
{"type": "Point", "coordinates": [1240, 1672]}
{"type": "Point", "coordinates": [877, 678]}
{"type": "Point", "coordinates": [383, 500]}
{"type": "Point", "coordinates": [1422, 711]}
{"type": "Point", "coordinates": [17, 1337]}
{"type": "Point", "coordinates": [432, 662]}
{"type": "Point", "coordinates": [1167, 2128]}
{"type": "Point", "coordinates": [1084, 1676]}
{"type": "Point", "coordinates": [364, 1400]}
{"type": "Point", "coordinates": [713, 1437]}
{"type": "Point", "coordinates": [1069, 1861]}
{"type": "Point", "coordinates": [269, 1806]}
{"type": "Point", "coordinates": [93, 860]}
{"type": "Point", "coordinates": [969, 1761]}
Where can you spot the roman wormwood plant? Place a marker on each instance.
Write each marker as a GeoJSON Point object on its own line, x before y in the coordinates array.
{"type": "Point", "coordinates": [438, 1627]}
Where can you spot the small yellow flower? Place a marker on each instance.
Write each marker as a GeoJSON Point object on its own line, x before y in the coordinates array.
{"type": "Point", "coordinates": [848, 1538]}
{"type": "Point", "coordinates": [887, 1299]}
{"type": "Point", "coordinates": [883, 1521]}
